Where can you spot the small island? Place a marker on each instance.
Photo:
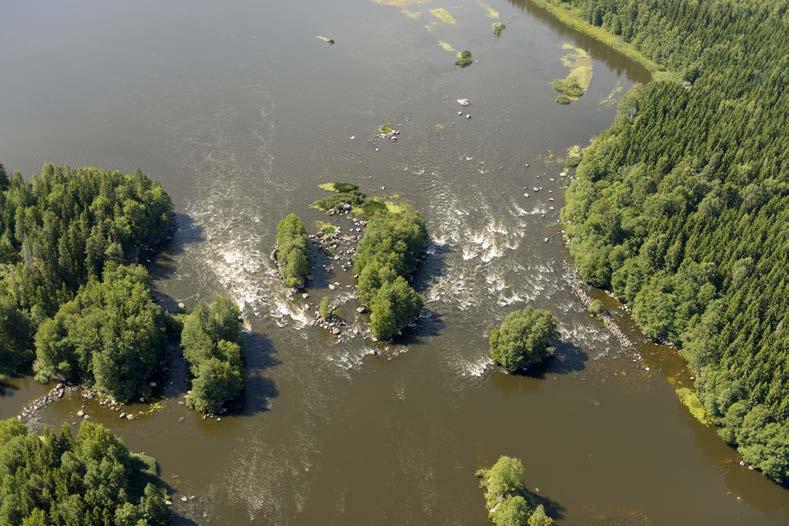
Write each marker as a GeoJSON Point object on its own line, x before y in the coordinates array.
{"type": "Point", "coordinates": [293, 251]}
{"type": "Point", "coordinates": [525, 338]}
{"type": "Point", "coordinates": [211, 342]}
{"type": "Point", "coordinates": [506, 498]}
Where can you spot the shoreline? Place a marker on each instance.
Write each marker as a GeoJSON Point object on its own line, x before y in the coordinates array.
{"type": "Point", "coordinates": [571, 18]}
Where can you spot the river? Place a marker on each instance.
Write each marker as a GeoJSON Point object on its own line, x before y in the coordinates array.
{"type": "Point", "coordinates": [240, 111]}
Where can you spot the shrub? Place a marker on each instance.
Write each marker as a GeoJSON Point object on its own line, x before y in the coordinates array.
{"type": "Point", "coordinates": [293, 250]}
{"type": "Point", "coordinates": [464, 59]}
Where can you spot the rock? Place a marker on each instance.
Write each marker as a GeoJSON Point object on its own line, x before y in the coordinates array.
{"type": "Point", "coordinates": [468, 116]}
{"type": "Point", "coordinates": [335, 330]}
{"type": "Point", "coordinates": [525, 194]}
{"type": "Point", "coordinates": [184, 498]}
{"type": "Point", "coordinates": [181, 305]}
{"type": "Point", "coordinates": [331, 286]}
{"type": "Point", "coordinates": [464, 102]}
{"type": "Point", "coordinates": [86, 416]}
{"type": "Point", "coordinates": [152, 384]}
{"type": "Point", "coordinates": [305, 296]}
{"type": "Point", "coordinates": [168, 503]}
{"type": "Point", "coordinates": [80, 413]}
{"type": "Point", "coordinates": [360, 309]}
{"type": "Point", "coordinates": [130, 417]}
{"type": "Point", "coordinates": [460, 113]}
{"type": "Point", "coordinates": [545, 240]}
{"type": "Point", "coordinates": [122, 415]}
{"type": "Point", "coordinates": [310, 277]}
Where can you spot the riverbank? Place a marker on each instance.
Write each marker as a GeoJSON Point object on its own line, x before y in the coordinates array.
{"type": "Point", "coordinates": [572, 18]}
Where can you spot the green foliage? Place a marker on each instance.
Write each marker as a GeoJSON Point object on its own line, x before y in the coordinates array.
{"type": "Point", "coordinates": [59, 231]}
{"type": "Point", "coordinates": [524, 339]}
{"type": "Point", "coordinates": [387, 256]}
{"type": "Point", "coordinates": [324, 309]}
{"type": "Point", "coordinates": [506, 497]}
{"type": "Point", "coordinates": [338, 199]}
{"type": "Point", "coordinates": [568, 87]}
{"type": "Point", "coordinates": [88, 479]}
{"type": "Point", "coordinates": [293, 250]}
{"type": "Point", "coordinates": [211, 342]}
{"type": "Point", "coordinates": [498, 27]}
{"type": "Point", "coordinates": [563, 99]}
{"type": "Point", "coordinates": [680, 207]}
{"type": "Point", "coordinates": [690, 400]}
{"type": "Point", "coordinates": [596, 307]}
{"type": "Point", "coordinates": [339, 188]}
{"type": "Point", "coordinates": [111, 335]}
{"type": "Point", "coordinates": [464, 59]}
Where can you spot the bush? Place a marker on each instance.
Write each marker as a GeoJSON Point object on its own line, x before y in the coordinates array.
{"type": "Point", "coordinates": [293, 250]}
{"type": "Point", "coordinates": [523, 339]}
{"type": "Point", "coordinates": [211, 341]}
{"type": "Point", "coordinates": [568, 87]}
{"type": "Point", "coordinates": [596, 307]}
{"type": "Point", "coordinates": [394, 306]}
{"type": "Point", "coordinates": [110, 336]}
{"type": "Point", "coordinates": [88, 479]}
{"type": "Point", "coordinates": [498, 27]}
{"type": "Point", "coordinates": [464, 59]}
{"type": "Point", "coordinates": [324, 309]}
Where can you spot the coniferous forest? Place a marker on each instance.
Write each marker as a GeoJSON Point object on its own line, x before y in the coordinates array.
{"type": "Point", "coordinates": [680, 208]}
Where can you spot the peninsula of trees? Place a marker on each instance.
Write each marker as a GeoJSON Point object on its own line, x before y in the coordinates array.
{"type": "Point", "coordinates": [681, 207]}
{"type": "Point", "coordinates": [92, 478]}
{"type": "Point", "coordinates": [66, 240]}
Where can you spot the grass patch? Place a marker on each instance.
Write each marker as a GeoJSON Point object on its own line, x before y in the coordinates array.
{"type": "Point", "coordinates": [443, 15]}
{"type": "Point", "coordinates": [572, 17]}
{"type": "Point", "coordinates": [464, 59]}
{"type": "Point", "coordinates": [386, 129]}
{"type": "Point", "coordinates": [324, 227]}
{"type": "Point", "coordinates": [489, 11]}
{"type": "Point", "coordinates": [690, 400]}
{"type": "Point", "coordinates": [563, 99]}
{"type": "Point", "coordinates": [446, 46]}
{"type": "Point", "coordinates": [574, 155]}
{"type": "Point", "coordinates": [578, 79]}
{"type": "Point", "coordinates": [569, 88]}
{"type": "Point", "coordinates": [337, 200]}
{"type": "Point", "coordinates": [498, 27]}
{"type": "Point", "coordinates": [394, 208]}
{"type": "Point", "coordinates": [338, 187]}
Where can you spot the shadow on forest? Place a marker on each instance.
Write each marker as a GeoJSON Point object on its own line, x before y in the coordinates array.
{"type": "Point", "coordinates": [568, 358]}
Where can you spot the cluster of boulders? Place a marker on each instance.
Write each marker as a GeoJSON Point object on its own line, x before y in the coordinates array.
{"type": "Point", "coordinates": [54, 394]}
{"type": "Point", "coordinates": [339, 246]}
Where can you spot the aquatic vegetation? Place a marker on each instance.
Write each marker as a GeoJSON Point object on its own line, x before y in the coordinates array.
{"type": "Point", "coordinates": [324, 309]}
{"type": "Point", "coordinates": [498, 27]}
{"type": "Point", "coordinates": [338, 200]}
{"type": "Point", "coordinates": [574, 156]}
{"type": "Point", "coordinates": [691, 401]}
{"type": "Point", "coordinates": [446, 46]}
{"type": "Point", "coordinates": [443, 15]}
{"type": "Point", "coordinates": [611, 97]}
{"type": "Point", "coordinates": [464, 59]}
{"type": "Point", "coordinates": [578, 79]}
{"type": "Point", "coordinates": [338, 187]}
{"type": "Point", "coordinates": [325, 39]}
{"type": "Point", "coordinates": [596, 307]}
{"type": "Point", "coordinates": [293, 250]}
{"type": "Point", "coordinates": [489, 11]}
{"type": "Point", "coordinates": [386, 129]}
{"type": "Point", "coordinates": [525, 338]}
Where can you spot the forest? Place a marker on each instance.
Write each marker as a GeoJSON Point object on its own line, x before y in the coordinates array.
{"type": "Point", "coordinates": [680, 208]}
{"type": "Point", "coordinates": [67, 295]}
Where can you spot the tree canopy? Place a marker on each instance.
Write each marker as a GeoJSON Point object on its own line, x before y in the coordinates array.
{"type": "Point", "coordinates": [681, 207]}
{"type": "Point", "coordinates": [211, 342]}
{"type": "Point", "coordinates": [92, 478]}
{"type": "Point", "coordinates": [506, 498]}
{"type": "Point", "coordinates": [293, 250]}
{"type": "Point", "coordinates": [523, 339]}
{"type": "Point", "coordinates": [111, 335]}
{"type": "Point", "coordinates": [388, 253]}
{"type": "Point", "coordinates": [59, 231]}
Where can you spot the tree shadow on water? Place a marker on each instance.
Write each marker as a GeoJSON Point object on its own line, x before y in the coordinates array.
{"type": "Point", "coordinates": [567, 358]}
{"type": "Point", "coordinates": [259, 355]}
{"type": "Point", "coordinates": [552, 508]}
{"type": "Point", "coordinates": [163, 264]}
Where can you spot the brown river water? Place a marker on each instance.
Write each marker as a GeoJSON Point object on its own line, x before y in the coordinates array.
{"type": "Point", "coordinates": [240, 111]}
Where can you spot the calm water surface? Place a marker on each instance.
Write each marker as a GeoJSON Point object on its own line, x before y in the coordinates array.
{"type": "Point", "coordinates": [241, 112]}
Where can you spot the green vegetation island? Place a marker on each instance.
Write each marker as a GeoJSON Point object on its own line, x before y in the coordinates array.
{"type": "Point", "coordinates": [506, 498]}
{"type": "Point", "coordinates": [680, 208]}
{"type": "Point", "coordinates": [524, 339]}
